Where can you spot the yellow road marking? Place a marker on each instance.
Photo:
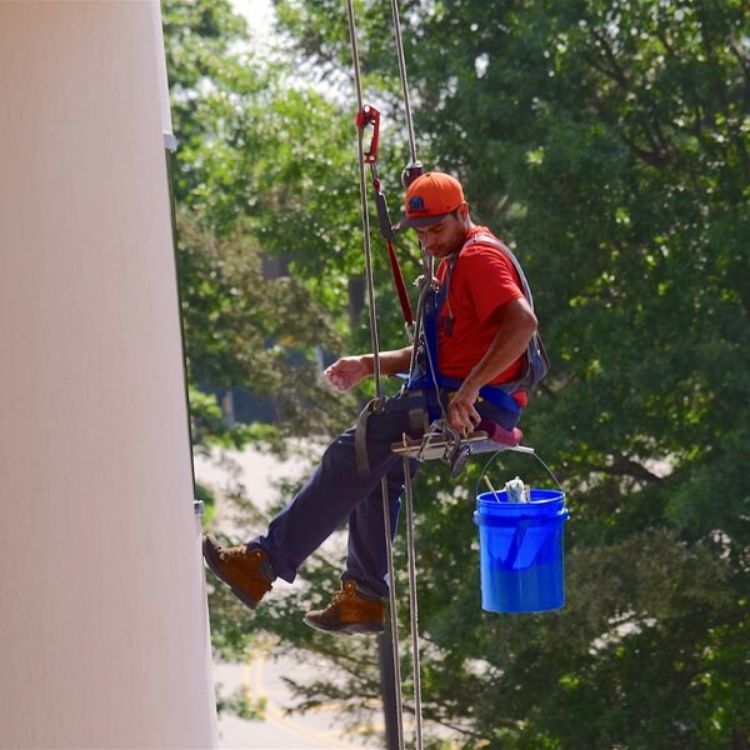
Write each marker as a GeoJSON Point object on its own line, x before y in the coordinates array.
{"type": "Point", "coordinates": [253, 674]}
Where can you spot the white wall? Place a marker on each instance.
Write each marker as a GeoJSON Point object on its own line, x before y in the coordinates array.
{"type": "Point", "coordinates": [103, 628]}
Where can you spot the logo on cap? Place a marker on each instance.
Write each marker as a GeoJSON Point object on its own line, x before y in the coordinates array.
{"type": "Point", "coordinates": [416, 204]}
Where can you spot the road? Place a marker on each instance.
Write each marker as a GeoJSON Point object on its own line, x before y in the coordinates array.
{"type": "Point", "coordinates": [261, 679]}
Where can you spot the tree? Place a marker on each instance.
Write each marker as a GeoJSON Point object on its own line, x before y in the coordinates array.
{"type": "Point", "coordinates": [248, 182]}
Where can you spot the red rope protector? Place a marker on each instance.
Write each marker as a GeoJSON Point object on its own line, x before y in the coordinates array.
{"type": "Point", "coordinates": [398, 279]}
{"type": "Point", "coordinates": [368, 115]}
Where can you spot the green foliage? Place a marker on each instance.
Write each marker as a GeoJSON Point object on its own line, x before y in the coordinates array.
{"type": "Point", "coordinates": [244, 330]}
{"type": "Point", "coordinates": [609, 143]}
{"type": "Point", "coordinates": [242, 705]}
{"type": "Point", "coordinates": [259, 173]}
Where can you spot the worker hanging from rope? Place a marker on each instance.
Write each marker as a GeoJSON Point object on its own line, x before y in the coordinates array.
{"type": "Point", "coordinates": [434, 317]}
{"type": "Point", "coordinates": [483, 326]}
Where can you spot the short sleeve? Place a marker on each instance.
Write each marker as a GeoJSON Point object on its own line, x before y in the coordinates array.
{"type": "Point", "coordinates": [491, 278]}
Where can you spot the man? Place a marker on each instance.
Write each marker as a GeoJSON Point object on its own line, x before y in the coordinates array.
{"type": "Point", "coordinates": [483, 325]}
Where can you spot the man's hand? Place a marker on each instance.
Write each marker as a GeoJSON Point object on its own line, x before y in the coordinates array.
{"type": "Point", "coordinates": [347, 372]}
{"type": "Point", "coordinates": [461, 411]}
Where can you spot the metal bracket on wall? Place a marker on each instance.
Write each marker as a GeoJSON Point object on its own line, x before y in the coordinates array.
{"type": "Point", "coordinates": [170, 142]}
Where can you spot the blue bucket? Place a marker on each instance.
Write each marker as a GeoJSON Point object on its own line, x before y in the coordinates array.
{"type": "Point", "coordinates": [521, 551]}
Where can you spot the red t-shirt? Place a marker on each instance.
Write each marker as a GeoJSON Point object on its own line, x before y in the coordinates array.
{"type": "Point", "coordinates": [483, 280]}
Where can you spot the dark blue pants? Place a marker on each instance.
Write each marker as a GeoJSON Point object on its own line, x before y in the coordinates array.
{"type": "Point", "coordinates": [337, 491]}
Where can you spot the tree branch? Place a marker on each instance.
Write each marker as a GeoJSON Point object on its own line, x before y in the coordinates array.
{"type": "Point", "coordinates": [655, 158]}
{"type": "Point", "coordinates": [626, 467]}
{"type": "Point", "coordinates": [616, 71]}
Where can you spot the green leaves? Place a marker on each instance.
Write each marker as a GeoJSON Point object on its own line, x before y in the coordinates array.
{"type": "Point", "coordinates": [245, 330]}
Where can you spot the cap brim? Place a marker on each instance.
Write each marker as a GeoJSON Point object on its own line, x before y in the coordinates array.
{"type": "Point", "coordinates": [412, 222]}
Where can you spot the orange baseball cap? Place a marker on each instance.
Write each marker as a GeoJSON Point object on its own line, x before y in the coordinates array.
{"type": "Point", "coordinates": [429, 198]}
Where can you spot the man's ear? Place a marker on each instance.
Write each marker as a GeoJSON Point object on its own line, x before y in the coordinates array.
{"type": "Point", "coordinates": [463, 210]}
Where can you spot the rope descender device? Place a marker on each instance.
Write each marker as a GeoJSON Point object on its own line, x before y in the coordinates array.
{"type": "Point", "coordinates": [368, 115]}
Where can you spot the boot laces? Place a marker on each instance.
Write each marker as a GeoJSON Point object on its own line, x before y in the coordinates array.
{"type": "Point", "coordinates": [348, 591]}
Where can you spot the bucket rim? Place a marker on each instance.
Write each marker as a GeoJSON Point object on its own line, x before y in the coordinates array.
{"type": "Point", "coordinates": [540, 498]}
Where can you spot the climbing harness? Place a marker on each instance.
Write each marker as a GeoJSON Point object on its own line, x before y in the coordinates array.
{"type": "Point", "coordinates": [536, 360]}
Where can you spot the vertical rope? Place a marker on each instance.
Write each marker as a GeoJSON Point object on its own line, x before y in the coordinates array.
{"type": "Point", "coordinates": [393, 615]}
{"type": "Point", "coordinates": [428, 267]}
{"type": "Point", "coordinates": [363, 202]}
{"type": "Point", "coordinates": [376, 373]}
{"type": "Point", "coordinates": [413, 603]}
{"type": "Point", "coordinates": [404, 82]}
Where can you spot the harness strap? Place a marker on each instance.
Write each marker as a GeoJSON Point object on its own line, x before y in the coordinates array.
{"type": "Point", "coordinates": [398, 279]}
{"type": "Point", "coordinates": [418, 420]}
{"type": "Point", "coordinates": [412, 403]}
{"type": "Point", "coordinates": [492, 393]}
{"type": "Point", "coordinates": [422, 377]}
{"type": "Point", "coordinates": [536, 360]}
{"type": "Point", "coordinates": [488, 239]}
{"type": "Point", "coordinates": [360, 435]}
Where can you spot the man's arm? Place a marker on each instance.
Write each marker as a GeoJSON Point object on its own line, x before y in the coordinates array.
{"type": "Point", "coordinates": [347, 372]}
{"type": "Point", "coordinates": [517, 322]}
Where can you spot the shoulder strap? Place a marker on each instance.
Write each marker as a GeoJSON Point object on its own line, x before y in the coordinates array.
{"type": "Point", "coordinates": [491, 241]}
{"type": "Point", "coordinates": [497, 394]}
{"type": "Point", "coordinates": [537, 362]}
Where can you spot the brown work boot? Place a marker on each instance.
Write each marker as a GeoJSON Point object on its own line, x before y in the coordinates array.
{"type": "Point", "coordinates": [247, 571]}
{"type": "Point", "coordinates": [351, 611]}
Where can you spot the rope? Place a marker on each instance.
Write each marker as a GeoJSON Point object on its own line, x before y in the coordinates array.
{"type": "Point", "coordinates": [376, 373]}
{"type": "Point", "coordinates": [413, 169]}
{"type": "Point", "coordinates": [363, 204]}
{"type": "Point", "coordinates": [413, 603]}
{"type": "Point", "coordinates": [404, 82]}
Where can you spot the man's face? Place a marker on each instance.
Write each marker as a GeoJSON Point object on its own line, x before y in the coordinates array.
{"type": "Point", "coordinates": [445, 236]}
